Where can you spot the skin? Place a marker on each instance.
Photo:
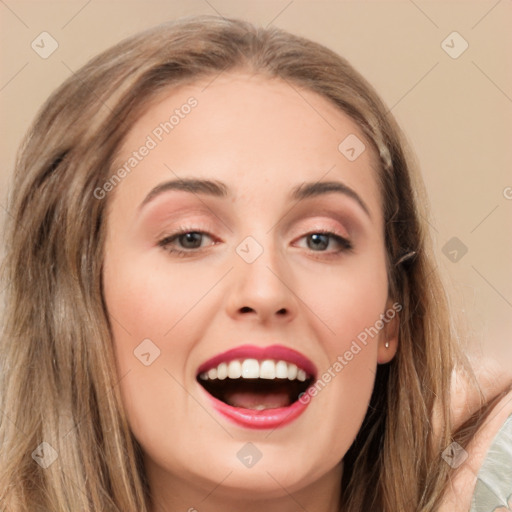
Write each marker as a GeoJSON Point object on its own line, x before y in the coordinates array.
{"type": "Point", "coordinates": [261, 138]}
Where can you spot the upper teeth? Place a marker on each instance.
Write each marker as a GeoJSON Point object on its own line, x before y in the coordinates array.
{"type": "Point", "coordinates": [254, 369]}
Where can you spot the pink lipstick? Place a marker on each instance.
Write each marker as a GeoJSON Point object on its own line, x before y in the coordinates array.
{"type": "Point", "coordinates": [257, 387]}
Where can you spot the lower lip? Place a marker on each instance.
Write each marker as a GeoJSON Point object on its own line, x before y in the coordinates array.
{"type": "Point", "coordinates": [265, 419]}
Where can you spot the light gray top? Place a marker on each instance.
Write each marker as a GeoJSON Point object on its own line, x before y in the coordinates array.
{"type": "Point", "coordinates": [493, 490]}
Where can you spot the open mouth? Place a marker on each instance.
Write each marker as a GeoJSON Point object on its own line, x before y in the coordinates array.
{"type": "Point", "coordinates": [256, 385]}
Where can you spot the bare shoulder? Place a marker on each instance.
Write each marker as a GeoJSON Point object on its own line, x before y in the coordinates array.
{"type": "Point", "coordinates": [492, 380]}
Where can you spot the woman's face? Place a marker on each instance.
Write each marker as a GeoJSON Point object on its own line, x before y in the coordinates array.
{"type": "Point", "coordinates": [255, 302]}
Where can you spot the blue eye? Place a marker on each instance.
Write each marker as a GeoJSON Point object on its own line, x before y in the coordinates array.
{"type": "Point", "coordinates": [188, 242]}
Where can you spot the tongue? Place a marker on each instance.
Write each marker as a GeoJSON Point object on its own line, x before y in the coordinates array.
{"type": "Point", "coordinates": [258, 401]}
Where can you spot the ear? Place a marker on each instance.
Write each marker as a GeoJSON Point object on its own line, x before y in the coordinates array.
{"type": "Point", "coordinates": [388, 340]}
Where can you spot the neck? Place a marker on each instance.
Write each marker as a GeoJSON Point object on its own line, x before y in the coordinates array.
{"type": "Point", "coordinates": [173, 494]}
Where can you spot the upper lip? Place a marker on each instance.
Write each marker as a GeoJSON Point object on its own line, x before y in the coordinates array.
{"type": "Point", "coordinates": [275, 352]}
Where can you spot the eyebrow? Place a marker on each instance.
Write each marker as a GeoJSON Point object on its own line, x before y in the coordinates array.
{"type": "Point", "coordinates": [193, 185]}
{"type": "Point", "coordinates": [219, 189]}
{"type": "Point", "coordinates": [318, 188]}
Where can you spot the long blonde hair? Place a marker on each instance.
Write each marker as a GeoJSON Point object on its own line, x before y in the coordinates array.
{"type": "Point", "coordinates": [58, 378]}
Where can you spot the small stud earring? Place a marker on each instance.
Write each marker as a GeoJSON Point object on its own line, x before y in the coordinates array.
{"type": "Point", "coordinates": [386, 344]}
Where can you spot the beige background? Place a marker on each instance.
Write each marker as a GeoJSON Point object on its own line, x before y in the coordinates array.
{"type": "Point", "coordinates": [457, 113]}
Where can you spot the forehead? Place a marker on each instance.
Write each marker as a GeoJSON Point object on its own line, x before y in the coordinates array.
{"type": "Point", "coordinates": [261, 136]}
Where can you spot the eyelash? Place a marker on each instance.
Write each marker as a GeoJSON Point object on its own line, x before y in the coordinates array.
{"type": "Point", "coordinates": [165, 243]}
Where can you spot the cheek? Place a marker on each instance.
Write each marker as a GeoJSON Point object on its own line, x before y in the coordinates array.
{"type": "Point", "coordinates": [157, 315]}
{"type": "Point", "coordinates": [148, 299]}
{"type": "Point", "coordinates": [145, 314]}
{"type": "Point", "coordinates": [348, 301]}
{"type": "Point", "coordinates": [345, 307]}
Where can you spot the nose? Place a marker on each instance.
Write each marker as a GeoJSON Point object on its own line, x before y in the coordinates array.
{"type": "Point", "coordinates": [261, 290]}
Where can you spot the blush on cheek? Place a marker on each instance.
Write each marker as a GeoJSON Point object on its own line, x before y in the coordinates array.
{"type": "Point", "coordinates": [140, 301]}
